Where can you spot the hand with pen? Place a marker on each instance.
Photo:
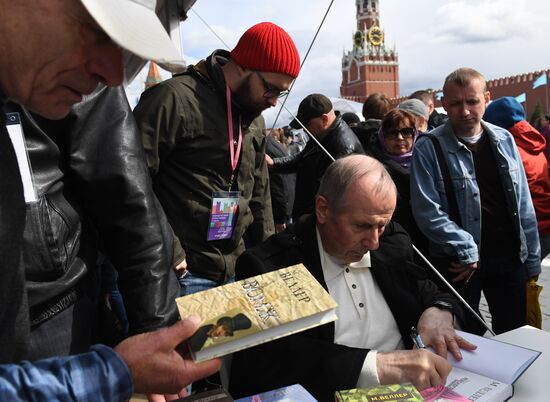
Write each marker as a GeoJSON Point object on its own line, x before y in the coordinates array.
{"type": "Point", "coordinates": [420, 367]}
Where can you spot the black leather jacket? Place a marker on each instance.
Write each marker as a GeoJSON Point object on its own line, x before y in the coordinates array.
{"type": "Point", "coordinates": [94, 190]}
{"type": "Point", "coordinates": [311, 163]}
{"type": "Point", "coordinates": [14, 321]}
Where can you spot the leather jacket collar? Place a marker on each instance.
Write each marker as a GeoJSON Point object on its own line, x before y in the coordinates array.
{"type": "Point", "coordinates": [210, 70]}
{"type": "Point", "coordinates": [3, 100]}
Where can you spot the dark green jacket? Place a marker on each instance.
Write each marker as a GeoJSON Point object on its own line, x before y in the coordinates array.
{"type": "Point", "coordinates": [184, 125]}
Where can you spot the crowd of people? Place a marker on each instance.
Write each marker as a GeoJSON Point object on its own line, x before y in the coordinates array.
{"type": "Point", "coordinates": [469, 189]}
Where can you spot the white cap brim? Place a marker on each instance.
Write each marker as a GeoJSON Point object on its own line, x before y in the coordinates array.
{"type": "Point", "coordinates": [134, 25]}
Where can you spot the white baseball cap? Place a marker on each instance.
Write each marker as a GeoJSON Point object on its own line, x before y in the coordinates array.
{"type": "Point", "coordinates": [134, 25]}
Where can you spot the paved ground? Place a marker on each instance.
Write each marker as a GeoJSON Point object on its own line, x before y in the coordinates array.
{"type": "Point", "coordinates": [544, 280]}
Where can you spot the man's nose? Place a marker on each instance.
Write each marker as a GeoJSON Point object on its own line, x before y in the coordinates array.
{"type": "Point", "coordinates": [106, 64]}
{"type": "Point", "coordinates": [370, 240]}
{"type": "Point", "coordinates": [272, 101]}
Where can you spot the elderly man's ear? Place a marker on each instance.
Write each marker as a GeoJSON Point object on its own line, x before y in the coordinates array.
{"type": "Point", "coordinates": [321, 209]}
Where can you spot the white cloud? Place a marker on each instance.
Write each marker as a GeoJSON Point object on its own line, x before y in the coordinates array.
{"type": "Point", "coordinates": [484, 21]}
{"type": "Point", "coordinates": [497, 37]}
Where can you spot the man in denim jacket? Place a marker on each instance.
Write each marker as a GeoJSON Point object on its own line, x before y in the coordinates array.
{"type": "Point", "coordinates": [495, 246]}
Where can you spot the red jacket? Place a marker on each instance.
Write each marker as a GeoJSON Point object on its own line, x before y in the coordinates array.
{"type": "Point", "coordinates": [531, 146]}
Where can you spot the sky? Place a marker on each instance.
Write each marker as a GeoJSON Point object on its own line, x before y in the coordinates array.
{"type": "Point", "coordinates": [499, 38]}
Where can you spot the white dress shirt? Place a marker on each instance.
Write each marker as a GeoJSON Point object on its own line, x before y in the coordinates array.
{"type": "Point", "coordinates": [364, 318]}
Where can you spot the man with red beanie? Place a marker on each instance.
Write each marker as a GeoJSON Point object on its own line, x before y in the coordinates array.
{"type": "Point", "coordinates": [508, 113]}
{"type": "Point", "coordinates": [203, 136]}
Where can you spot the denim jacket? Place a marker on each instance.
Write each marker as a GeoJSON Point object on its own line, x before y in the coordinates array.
{"type": "Point", "coordinates": [429, 202]}
{"type": "Point", "coordinates": [97, 375]}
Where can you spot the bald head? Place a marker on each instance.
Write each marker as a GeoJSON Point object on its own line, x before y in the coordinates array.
{"type": "Point", "coordinates": [355, 202]}
{"type": "Point", "coordinates": [346, 171]}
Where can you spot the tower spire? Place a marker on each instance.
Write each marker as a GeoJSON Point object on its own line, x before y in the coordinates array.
{"type": "Point", "coordinates": [153, 76]}
{"type": "Point", "coordinates": [368, 14]}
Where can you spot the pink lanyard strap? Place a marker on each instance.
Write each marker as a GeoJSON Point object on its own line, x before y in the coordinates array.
{"type": "Point", "coordinates": [234, 154]}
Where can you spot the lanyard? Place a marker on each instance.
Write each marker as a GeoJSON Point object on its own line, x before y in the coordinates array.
{"type": "Point", "coordinates": [234, 154]}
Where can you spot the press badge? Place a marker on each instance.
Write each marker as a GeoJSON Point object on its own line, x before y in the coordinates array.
{"type": "Point", "coordinates": [223, 214]}
{"type": "Point", "coordinates": [15, 131]}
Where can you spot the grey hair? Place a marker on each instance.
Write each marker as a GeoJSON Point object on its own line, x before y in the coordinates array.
{"type": "Point", "coordinates": [342, 173]}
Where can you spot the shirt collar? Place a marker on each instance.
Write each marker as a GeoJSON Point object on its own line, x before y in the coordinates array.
{"type": "Point", "coordinates": [363, 263]}
{"type": "Point", "coordinates": [335, 267]}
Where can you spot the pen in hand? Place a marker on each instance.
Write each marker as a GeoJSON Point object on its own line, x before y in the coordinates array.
{"type": "Point", "coordinates": [416, 339]}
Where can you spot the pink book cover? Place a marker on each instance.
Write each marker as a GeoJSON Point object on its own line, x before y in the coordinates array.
{"type": "Point", "coordinates": [440, 393]}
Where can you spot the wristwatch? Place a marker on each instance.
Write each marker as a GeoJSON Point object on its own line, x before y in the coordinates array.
{"type": "Point", "coordinates": [443, 305]}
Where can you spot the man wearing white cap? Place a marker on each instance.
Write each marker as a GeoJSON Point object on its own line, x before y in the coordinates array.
{"type": "Point", "coordinates": [52, 54]}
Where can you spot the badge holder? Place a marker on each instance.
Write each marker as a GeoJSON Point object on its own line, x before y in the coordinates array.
{"type": "Point", "coordinates": [15, 131]}
{"type": "Point", "coordinates": [225, 204]}
{"type": "Point", "coordinates": [223, 214]}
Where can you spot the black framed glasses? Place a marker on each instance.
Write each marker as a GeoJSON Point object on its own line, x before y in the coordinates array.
{"type": "Point", "coordinates": [270, 90]}
{"type": "Point", "coordinates": [406, 132]}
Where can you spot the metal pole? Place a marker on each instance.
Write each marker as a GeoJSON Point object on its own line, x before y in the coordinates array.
{"type": "Point", "coordinates": [546, 85]}
{"type": "Point", "coordinates": [302, 65]}
{"type": "Point", "coordinates": [310, 135]}
{"type": "Point", "coordinates": [453, 290]}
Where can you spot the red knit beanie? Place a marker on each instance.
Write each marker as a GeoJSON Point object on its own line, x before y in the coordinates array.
{"type": "Point", "coordinates": [267, 47]}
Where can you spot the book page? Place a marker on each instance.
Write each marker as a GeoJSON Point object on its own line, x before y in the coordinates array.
{"type": "Point", "coordinates": [478, 388]}
{"type": "Point", "coordinates": [494, 359]}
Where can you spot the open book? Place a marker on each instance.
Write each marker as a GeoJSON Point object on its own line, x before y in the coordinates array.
{"type": "Point", "coordinates": [488, 373]}
{"type": "Point", "coordinates": [256, 310]}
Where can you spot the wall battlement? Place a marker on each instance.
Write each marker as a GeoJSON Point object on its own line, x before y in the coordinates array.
{"type": "Point", "coordinates": [513, 85]}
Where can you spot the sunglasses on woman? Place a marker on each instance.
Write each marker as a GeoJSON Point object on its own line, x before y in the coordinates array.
{"type": "Point", "coordinates": [406, 132]}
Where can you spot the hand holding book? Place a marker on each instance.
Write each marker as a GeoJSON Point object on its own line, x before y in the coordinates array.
{"type": "Point", "coordinates": [256, 310]}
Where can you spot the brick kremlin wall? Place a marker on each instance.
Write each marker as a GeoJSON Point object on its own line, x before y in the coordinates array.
{"type": "Point", "coordinates": [514, 86]}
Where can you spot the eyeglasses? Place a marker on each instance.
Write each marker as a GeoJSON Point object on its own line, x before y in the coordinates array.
{"type": "Point", "coordinates": [406, 132]}
{"type": "Point", "coordinates": [270, 90]}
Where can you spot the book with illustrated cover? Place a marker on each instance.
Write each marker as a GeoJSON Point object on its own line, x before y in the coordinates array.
{"type": "Point", "coordinates": [390, 393]}
{"type": "Point", "coordinates": [256, 310]}
{"type": "Point", "coordinates": [292, 393]}
{"type": "Point", "coordinates": [487, 374]}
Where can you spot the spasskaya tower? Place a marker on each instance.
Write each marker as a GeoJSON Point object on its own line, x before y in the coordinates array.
{"type": "Point", "coordinates": [370, 66]}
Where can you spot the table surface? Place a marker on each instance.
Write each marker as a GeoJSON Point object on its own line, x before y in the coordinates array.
{"type": "Point", "coordinates": [534, 384]}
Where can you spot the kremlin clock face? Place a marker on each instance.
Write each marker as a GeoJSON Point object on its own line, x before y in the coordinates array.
{"type": "Point", "coordinates": [358, 39]}
{"type": "Point", "coordinates": [375, 36]}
